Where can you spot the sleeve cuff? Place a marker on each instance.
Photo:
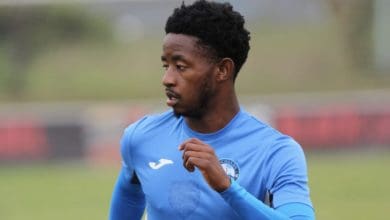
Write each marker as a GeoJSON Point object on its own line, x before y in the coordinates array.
{"type": "Point", "coordinates": [233, 189]}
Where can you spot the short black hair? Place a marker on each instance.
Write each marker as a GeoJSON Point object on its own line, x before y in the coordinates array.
{"type": "Point", "coordinates": [217, 26]}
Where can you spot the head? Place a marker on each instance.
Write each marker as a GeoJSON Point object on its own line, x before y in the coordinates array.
{"type": "Point", "coordinates": [219, 29]}
{"type": "Point", "coordinates": [205, 46]}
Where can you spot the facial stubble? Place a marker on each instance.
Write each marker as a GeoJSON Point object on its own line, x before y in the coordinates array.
{"type": "Point", "coordinates": [201, 106]}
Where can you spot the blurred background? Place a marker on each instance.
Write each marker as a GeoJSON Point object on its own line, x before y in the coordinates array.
{"type": "Point", "coordinates": [75, 73]}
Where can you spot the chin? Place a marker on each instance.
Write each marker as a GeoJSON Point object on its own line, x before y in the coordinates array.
{"type": "Point", "coordinates": [195, 114]}
{"type": "Point", "coordinates": [177, 114]}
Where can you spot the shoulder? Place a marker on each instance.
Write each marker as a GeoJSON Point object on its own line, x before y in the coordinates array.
{"type": "Point", "coordinates": [144, 128]}
{"type": "Point", "coordinates": [246, 120]}
{"type": "Point", "coordinates": [283, 148]}
{"type": "Point", "coordinates": [266, 132]}
{"type": "Point", "coordinates": [279, 146]}
{"type": "Point", "coordinates": [150, 122]}
{"type": "Point", "coordinates": [285, 156]}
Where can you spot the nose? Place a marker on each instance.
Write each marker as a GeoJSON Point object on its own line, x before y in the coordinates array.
{"type": "Point", "coordinates": [168, 79]}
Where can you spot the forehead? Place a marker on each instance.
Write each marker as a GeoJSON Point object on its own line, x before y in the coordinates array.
{"type": "Point", "coordinates": [185, 45]}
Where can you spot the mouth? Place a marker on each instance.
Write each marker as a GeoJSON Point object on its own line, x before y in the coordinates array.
{"type": "Point", "coordinates": [172, 99]}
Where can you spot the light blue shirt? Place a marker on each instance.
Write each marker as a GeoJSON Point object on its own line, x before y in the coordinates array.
{"type": "Point", "coordinates": [259, 160]}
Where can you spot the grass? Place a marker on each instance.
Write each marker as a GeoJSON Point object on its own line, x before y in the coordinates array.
{"type": "Point", "coordinates": [346, 186]}
{"type": "Point", "coordinates": [55, 192]}
{"type": "Point", "coordinates": [352, 186]}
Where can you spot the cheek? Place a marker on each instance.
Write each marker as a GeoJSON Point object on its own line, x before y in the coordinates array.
{"type": "Point", "coordinates": [197, 83]}
{"type": "Point", "coordinates": [201, 90]}
{"type": "Point", "coordinates": [189, 86]}
{"type": "Point", "coordinates": [193, 91]}
{"type": "Point", "coordinates": [190, 93]}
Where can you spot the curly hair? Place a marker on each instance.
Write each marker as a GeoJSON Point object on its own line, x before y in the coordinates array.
{"type": "Point", "coordinates": [218, 27]}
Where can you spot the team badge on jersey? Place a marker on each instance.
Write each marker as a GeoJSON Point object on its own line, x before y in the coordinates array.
{"type": "Point", "coordinates": [231, 168]}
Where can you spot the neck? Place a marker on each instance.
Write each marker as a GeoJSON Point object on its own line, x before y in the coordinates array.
{"type": "Point", "coordinates": [217, 116]}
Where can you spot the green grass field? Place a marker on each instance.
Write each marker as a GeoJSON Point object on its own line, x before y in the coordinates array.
{"type": "Point", "coordinates": [350, 186]}
{"type": "Point", "coordinates": [347, 186]}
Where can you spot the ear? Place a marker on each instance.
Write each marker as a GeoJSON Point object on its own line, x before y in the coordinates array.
{"type": "Point", "coordinates": [225, 70]}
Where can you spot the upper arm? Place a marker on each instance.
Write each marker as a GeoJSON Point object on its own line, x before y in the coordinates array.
{"type": "Point", "coordinates": [128, 199]}
{"type": "Point", "coordinates": [128, 172]}
{"type": "Point", "coordinates": [288, 172]}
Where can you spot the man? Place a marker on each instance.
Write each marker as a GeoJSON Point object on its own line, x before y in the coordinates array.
{"type": "Point", "coordinates": [207, 158]}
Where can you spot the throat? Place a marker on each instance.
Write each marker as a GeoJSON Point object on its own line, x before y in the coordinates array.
{"type": "Point", "coordinates": [210, 123]}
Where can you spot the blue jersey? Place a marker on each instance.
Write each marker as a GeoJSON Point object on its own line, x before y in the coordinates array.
{"type": "Point", "coordinates": [264, 165]}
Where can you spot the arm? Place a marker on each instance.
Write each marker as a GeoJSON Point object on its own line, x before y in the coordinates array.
{"type": "Point", "coordinates": [249, 207]}
{"type": "Point", "coordinates": [128, 199]}
{"type": "Point", "coordinates": [288, 183]}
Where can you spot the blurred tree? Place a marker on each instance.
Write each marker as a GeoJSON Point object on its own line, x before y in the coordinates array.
{"type": "Point", "coordinates": [27, 31]}
{"type": "Point", "coordinates": [355, 18]}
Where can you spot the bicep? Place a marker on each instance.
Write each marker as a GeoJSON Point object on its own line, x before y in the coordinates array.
{"type": "Point", "coordinates": [289, 181]}
{"type": "Point", "coordinates": [128, 199]}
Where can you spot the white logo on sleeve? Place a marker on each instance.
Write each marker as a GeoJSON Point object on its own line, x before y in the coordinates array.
{"type": "Point", "coordinates": [162, 162]}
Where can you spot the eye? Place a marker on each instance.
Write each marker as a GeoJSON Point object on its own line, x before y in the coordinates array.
{"type": "Point", "coordinates": [180, 67]}
{"type": "Point", "coordinates": [165, 66]}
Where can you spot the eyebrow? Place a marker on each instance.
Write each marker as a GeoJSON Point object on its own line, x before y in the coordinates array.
{"type": "Point", "coordinates": [174, 58]}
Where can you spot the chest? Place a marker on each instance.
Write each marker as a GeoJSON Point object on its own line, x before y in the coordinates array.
{"type": "Point", "coordinates": [171, 190]}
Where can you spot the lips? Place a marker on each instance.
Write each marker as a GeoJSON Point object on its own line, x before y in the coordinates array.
{"type": "Point", "coordinates": [173, 98]}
